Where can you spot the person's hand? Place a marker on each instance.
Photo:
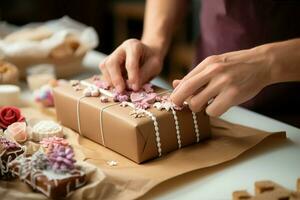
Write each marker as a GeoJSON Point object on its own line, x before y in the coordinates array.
{"type": "Point", "coordinates": [224, 80]}
{"type": "Point", "coordinates": [140, 62]}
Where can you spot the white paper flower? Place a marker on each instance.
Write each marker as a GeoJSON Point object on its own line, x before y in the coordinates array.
{"type": "Point", "coordinates": [158, 105]}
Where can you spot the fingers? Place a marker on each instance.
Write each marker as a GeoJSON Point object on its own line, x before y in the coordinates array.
{"type": "Point", "coordinates": [222, 103]}
{"type": "Point", "coordinates": [208, 61]}
{"type": "Point", "coordinates": [104, 71]}
{"type": "Point", "coordinates": [113, 66]}
{"type": "Point", "coordinates": [133, 57]}
{"type": "Point", "coordinates": [188, 88]}
{"type": "Point", "coordinates": [200, 100]}
{"type": "Point", "coordinates": [127, 55]}
{"type": "Point", "coordinates": [176, 83]}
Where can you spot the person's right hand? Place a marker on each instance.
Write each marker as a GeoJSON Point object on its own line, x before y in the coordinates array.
{"type": "Point", "coordinates": [139, 61]}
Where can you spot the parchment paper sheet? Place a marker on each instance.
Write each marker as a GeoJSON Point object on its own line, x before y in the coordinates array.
{"type": "Point", "coordinates": [59, 29]}
{"type": "Point", "coordinates": [129, 180]}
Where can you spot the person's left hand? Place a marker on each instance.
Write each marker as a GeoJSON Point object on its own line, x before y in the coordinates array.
{"type": "Point", "coordinates": [227, 80]}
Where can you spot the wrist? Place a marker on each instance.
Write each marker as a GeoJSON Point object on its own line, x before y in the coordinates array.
{"type": "Point", "coordinates": [282, 59]}
{"type": "Point", "coordinates": [158, 44]}
{"type": "Point", "coordinates": [270, 63]}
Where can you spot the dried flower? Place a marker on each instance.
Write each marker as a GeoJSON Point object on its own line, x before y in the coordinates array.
{"type": "Point", "coordinates": [53, 141]}
{"type": "Point", "coordinates": [39, 161]}
{"type": "Point", "coordinates": [158, 98]}
{"type": "Point", "coordinates": [104, 99]}
{"type": "Point", "coordinates": [7, 144]}
{"type": "Point", "coordinates": [148, 87]}
{"type": "Point", "coordinates": [120, 97]}
{"type": "Point", "coordinates": [101, 84]}
{"type": "Point", "coordinates": [61, 158]}
{"type": "Point", "coordinates": [137, 113]}
{"type": "Point", "coordinates": [142, 105]}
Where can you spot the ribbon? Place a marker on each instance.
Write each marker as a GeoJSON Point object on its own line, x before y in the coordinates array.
{"type": "Point", "coordinates": [78, 114]}
{"type": "Point", "coordinates": [101, 122]}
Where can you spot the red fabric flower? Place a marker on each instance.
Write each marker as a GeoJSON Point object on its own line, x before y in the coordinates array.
{"type": "Point", "coordinates": [9, 115]}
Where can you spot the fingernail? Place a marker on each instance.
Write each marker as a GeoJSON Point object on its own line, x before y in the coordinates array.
{"type": "Point", "coordinates": [135, 87]}
{"type": "Point", "coordinates": [176, 80]}
{"type": "Point", "coordinates": [119, 88]}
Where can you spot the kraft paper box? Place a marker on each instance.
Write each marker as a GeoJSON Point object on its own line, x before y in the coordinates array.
{"type": "Point", "coordinates": [111, 125]}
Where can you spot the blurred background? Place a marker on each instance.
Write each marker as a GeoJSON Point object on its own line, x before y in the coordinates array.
{"type": "Point", "coordinates": [114, 21]}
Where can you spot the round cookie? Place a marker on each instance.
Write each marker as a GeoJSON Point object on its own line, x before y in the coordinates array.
{"type": "Point", "coordinates": [9, 74]}
{"type": "Point", "coordinates": [46, 129]}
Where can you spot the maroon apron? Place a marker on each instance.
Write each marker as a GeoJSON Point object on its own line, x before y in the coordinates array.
{"type": "Point", "coordinates": [230, 25]}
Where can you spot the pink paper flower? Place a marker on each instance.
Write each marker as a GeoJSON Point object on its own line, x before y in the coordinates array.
{"type": "Point", "coordinates": [54, 141]}
{"type": "Point", "coordinates": [101, 84]}
{"type": "Point", "coordinates": [120, 97]}
{"type": "Point", "coordinates": [143, 97]}
{"type": "Point", "coordinates": [148, 87]}
{"type": "Point", "coordinates": [61, 158]}
{"type": "Point", "coordinates": [142, 105]}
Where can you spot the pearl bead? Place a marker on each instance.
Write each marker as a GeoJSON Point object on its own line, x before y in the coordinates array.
{"type": "Point", "coordinates": [95, 93]}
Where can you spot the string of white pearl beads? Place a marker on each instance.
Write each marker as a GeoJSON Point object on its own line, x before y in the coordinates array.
{"type": "Point", "coordinates": [153, 118]}
{"type": "Point", "coordinates": [157, 136]}
{"type": "Point", "coordinates": [196, 126]}
{"type": "Point", "coordinates": [177, 127]}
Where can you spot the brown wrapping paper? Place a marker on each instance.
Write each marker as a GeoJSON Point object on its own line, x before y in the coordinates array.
{"type": "Point", "coordinates": [112, 126]}
{"type": "Point", "coordinates": [129, 180]}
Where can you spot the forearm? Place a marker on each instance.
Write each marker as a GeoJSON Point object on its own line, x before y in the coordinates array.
{"type": "Point", "coordinates": [161, 17]}
{"type": "Point", "coordinates": [283, 59]}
